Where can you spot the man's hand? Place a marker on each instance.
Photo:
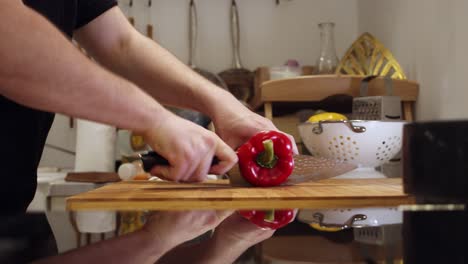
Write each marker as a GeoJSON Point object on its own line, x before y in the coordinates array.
{"type": "Point", "coordinates": [171, 228]}
{"type": "Point", "coordinates": [231, 238]}
{"type": "Point", "coordinates": [237, 127]}
{"type": "Point", "coordinates": [189, 149]}
{"type": "Point", "coordinates": [162, 232]}
{"type": "Point", "coordinates": [240, 231]}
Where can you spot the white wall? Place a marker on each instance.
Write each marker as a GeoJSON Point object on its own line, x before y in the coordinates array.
{"type": "Point", "coordinates": [430, 40]}
{"type": "Point", "coordinates": [270, 35]}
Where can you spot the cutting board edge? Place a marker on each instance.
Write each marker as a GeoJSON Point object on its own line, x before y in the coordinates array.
{"type": "Point", "coordinates": [76, 205]}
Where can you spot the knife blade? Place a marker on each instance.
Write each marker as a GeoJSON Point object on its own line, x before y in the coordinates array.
{"type": "Point", "coordinates": [306, 168]}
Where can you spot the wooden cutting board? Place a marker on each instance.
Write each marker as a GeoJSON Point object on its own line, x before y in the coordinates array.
{"type": "Point", "coordinates": [328, 193]}
{"type": "Point", "coordinates": [93, 177]}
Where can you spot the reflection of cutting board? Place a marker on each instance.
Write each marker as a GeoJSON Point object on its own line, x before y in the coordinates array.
{"type": "Point", "coordinates": [328, 193]}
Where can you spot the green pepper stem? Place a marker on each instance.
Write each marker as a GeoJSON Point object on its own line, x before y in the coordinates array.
{"type": "Point", "coordinates": [270, 215]}
{"type": "Point", "coordinates": [267, 158]}
{"type": "Point", "coordinates": [269, 155]}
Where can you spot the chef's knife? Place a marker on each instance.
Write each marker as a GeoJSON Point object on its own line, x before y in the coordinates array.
{"type": "Point", "coordinates": [306, 168]}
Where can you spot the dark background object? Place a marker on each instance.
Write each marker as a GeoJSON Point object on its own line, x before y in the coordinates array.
{"type": "Point", "coordinates": [435, 161]}
{"type": "Point", "coordinates": [194, 116]}
{"type": "Point", "coordinates": [435, 172]}
{"type": "Point", "coordinates": [435, 237]}
{"type": "Point", "coordinates": [25, 237]}
{"type": "Point", "coordinates": [340, 103]}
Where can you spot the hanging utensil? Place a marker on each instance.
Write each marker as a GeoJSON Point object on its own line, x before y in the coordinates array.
{"type": "Point", "coordinates": [131, 19]}
{"type": "Point", "coordinates": [149, 26]}
{"type": "Point", "coordinates": [193, 26]}
{"type": "Point", "coordinates": [239, 80]}
{"type": "Point", "coordinates": [188, 114]}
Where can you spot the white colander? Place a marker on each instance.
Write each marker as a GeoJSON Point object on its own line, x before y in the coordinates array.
{"type": "Point", "coordinates": [367, 144]}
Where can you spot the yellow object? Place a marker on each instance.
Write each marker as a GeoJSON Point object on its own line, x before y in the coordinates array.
{"type": "Point", "coordinates": [327, 116]}
{"type": "Point", "coordinates": [368, 56]}
{"type": "Point", "coordinates": [137, 142]}
{"type": "Point", "coordinates": [131, 222]}
{"type": "Point", "coordinates": [325, 229]}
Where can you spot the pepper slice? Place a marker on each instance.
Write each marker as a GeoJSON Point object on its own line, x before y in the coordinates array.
{"type": "Point", "coordinates": [266, 159]}
{"type": "Point", "coordinates": [278, 219]}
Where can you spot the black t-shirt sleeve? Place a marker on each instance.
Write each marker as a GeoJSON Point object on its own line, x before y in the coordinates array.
{"type": "Point", "coordinates": [90, 9]}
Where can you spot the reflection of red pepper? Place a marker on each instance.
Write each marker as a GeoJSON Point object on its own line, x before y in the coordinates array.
{"type": "Point", "coordinates": [272, 219]}
{"type": "Point", "coordinates": [266, 159]}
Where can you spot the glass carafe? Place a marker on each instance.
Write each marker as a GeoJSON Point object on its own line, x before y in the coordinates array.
{"type": "Point", "coordinates": [328, 61]}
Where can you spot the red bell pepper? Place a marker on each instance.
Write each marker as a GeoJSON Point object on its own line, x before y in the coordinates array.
{"type": "Point", "coordinates": [266, 159]}
{"type": "Point", "coordinates": [271, 219]}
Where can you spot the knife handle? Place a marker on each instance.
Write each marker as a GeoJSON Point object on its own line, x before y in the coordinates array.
{"type": "Point", "coordinates": [152, 159]}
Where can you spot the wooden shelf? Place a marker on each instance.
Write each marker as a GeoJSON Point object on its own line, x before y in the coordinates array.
{"type": "Point", "coordinates": [318, 87]}
{"type": "Point", "coordinates": [315, 88]}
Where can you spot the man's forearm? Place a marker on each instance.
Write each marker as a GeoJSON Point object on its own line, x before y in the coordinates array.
{"type": "Point", "coordinates": [41, 69]}
{"type": "Point", "coordinates": [212, 251]}
{"type": "Point", "coordinates": [136, 247]}
{"type": "Point", "coordinates": [153, 68]}
{"type": "Point", "coordinates": [175, 83]}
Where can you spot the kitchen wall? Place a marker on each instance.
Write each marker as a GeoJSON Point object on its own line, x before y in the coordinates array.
{"type": "Point", "coordinates": [270, 35]}
{"type": "Point", "coordinates": [429, 39]}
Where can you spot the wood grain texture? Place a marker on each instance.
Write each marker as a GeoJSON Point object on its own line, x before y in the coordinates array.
{"type": "Point", "coordinates": [329, 193]}
{"type": "Point", "coordinates": [318, 87]}
{"type": "Point", "coordinates": [262, 74]}
{"type": "Point", "coordinates": [93, 177]}
{"type": "Point", "coordinates": [149, 31]}
{"type": "Point", "coordinates": [408, 113]}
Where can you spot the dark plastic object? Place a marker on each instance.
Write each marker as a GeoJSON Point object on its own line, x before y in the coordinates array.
{"type": "Point", "coordinates": [152, 159]}
{"type": "Point", "coordinates": [435, 161]}
{"type": "Point", "coordinates": [435, 237]}
{"type": "Point", "coordinates": [194, 116]}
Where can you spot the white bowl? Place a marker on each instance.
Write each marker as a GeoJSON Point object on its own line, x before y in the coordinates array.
{"type": "Point", "coordinates": [366, 144]}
